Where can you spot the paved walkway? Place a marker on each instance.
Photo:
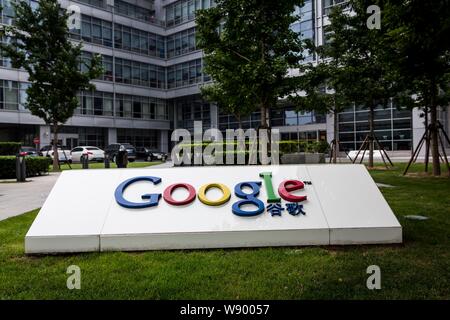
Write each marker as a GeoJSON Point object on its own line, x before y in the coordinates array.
{"type": "Point", "coordinates": [167, 164]}
{"type": "Point", "coordinates": [17, 198]}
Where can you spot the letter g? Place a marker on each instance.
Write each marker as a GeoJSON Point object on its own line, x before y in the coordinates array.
{"type": "Point", "coordinates": [154, 197]}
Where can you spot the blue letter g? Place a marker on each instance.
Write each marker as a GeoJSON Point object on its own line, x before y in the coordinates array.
{"type": "Point", "coordinates": [154, 197]}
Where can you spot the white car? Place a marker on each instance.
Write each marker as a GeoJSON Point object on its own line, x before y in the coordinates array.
{"type": "Point", "coordinates": [93, 153]}
{"type": "Point", "coordinates": [63, 154]}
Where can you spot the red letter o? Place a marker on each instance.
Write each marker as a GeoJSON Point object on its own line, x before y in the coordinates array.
{"type": "Point", "coordinates": [170, 200]}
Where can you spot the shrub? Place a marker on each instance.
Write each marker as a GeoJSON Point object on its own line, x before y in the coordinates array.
{"type": "Point", "coordinates": [35, 166]}
{"type": "Point", "coordinates": [9, 148]}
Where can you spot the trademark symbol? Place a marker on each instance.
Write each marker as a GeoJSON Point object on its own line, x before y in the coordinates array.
{"type": "Point", "coordinates": [307, 182]}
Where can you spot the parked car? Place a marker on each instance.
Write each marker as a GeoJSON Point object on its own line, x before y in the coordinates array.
{"type": "Point", "coordinates": [63, 153]}
{"type": "Point", "coordinates": [150, 154]}
{"type": "Point", "coordinates": [94, 153]}
{"type": "Point", "coordinates": [112, 149]}
{"type": "Point", "coordinates": [28, 151]}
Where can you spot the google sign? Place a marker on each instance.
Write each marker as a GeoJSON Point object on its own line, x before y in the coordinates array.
{"type": "Point", "coordinates": [212, 207]}
{"type": "Point", "coordinates": [251, 198]}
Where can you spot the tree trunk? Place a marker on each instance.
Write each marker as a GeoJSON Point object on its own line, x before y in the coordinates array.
{"type": "Point", "coordinates": [263, 116]}
{"type": "Point", "coordinates": [336, 137]}
{"type": "Point", "coordinates": [427, 141]}
{"type": "Point", "coordinates": [55, 148]}
{"type": "Point", "coordinates": [434, 141]}
{"type": "Point", "coordinates": [371, 136]}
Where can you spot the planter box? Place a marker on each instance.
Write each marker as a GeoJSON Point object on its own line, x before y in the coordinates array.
{"type": "Point", "coordinates": [302, 158]}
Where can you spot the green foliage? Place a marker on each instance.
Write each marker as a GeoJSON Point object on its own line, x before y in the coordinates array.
{"type": "Point", "coordinates": [357, 69]}
{"type": "Point", "coordinates": [249, 48]}
{"type": "Point", "coordinates": [294, 146]}
{"type": "Point", "coordinates": [34, 165]}
{"type": "Point", "coordinates": [9, 148]}
{"type": "Point", "coordinates": [418, 34]}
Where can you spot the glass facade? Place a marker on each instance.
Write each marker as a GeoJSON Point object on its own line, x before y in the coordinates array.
{"type": "Point", "coordinates": [181, 43]}
{"type": "Point", "coordinates": [100, 32]}
{"type": "Point", "coordinates": [287, 116]}
{"type": "Point", "coordinates": [329, 4]}
{"type": "Point", "coordinates": [184, 10]}
{"type": "Point", "coordinates": [190, 109]}
{"type": "Point", "coordinates": [137, 107]}
{"type": "Point", "coordinates": [228, 121]}
{"type": "Point", "coordinates": [138, 137]}
{"type": "Point", "coordinates": [392, 127]}
{"type": "Point", "coordinates": [184, 74]}
{"type": "Point", "coordinates": [13, 95]}
{"type": "Point", "coordinates": [127, 9]}
{"type": "Point", "coordinates": [305, 24]}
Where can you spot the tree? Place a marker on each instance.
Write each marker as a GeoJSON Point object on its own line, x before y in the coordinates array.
{"type": "Point", "coordinates": [419, 33]}
{"type": "Point", "coordinates": [355, 59]}
{"type": "Point", "coordinates": [40, 45]}
{"type": "Point", "coordinates": [318, 95]}
{"type": "Point", "coordinates": [249, 48]}
{"type": "Point", "coordinates": [228, 96]}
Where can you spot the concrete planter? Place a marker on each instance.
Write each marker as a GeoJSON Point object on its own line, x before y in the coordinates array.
{"type": "Point", "coordinates": [302, 158]}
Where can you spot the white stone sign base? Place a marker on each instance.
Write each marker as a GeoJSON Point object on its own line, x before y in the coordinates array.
{"type": "Point", "coordinates": [343, 206]}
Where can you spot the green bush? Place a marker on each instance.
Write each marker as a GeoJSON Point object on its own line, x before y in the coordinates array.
{"type": "Point", "coordinates": [35, 166]}
{"type": "Point", "coordinates": [9, 148]}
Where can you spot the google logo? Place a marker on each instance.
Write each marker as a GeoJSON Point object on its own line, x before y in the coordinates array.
{"type": "Point", "coordinates": [284, 191]}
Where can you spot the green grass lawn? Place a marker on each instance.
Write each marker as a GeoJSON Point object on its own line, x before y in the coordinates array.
{"type": "Point", "coordinates": [101, 165]}
{"type": "Point", "coordinates": [418, 269]}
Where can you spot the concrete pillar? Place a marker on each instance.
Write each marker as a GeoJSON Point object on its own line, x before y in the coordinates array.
{"type": "Point", "coordinates": [164, 141]}
{"type": "Point", "coordinates": [44, 135]}
{"type": "Point", "coordinates": [112, 135]}
{"type": "Point", "coordinates": [330, 127]}
{"type": "Point", "coordinates": [418, 129]}
{"type": "Point", "coordinates": [214, 114]}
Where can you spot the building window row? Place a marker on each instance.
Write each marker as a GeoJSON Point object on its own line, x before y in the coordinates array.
{"type": "Point", "coordinates": [191, 109]}
{"type": "Point", "coordinates": [127, 9]}
{"type": "Point", "coordinates": [138, 137]}
{"type": "Point", "coordinates": [288, 116]}
{"type": "Point", "coordinates": [392, 127]}
{"type": "Point", "coordinates": [181, 43]}
{"type": "Point", "coordinates": [184, 74]}
{"type": "Point", "coordinates": [7, 13]}
{"type": "Point", "coordinates": [128, 72]}
{"type": "Point", "coordinates": [100, 32]}
{"type": "Point", "coordinates": [13, 96]}
{"type": "Point", "coordinates": [184, 10]}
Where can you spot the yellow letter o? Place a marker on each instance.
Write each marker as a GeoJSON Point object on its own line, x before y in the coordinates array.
{"type": "Point", "coordinates": [202, 194]}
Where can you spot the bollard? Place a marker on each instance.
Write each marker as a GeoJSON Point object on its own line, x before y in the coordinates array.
{"type": "Point", "coordinates": [106, 160]}
{"type": "Point", "coordinates": [21, 169]}
{"type": "Point", "coordinates": [85, 161]}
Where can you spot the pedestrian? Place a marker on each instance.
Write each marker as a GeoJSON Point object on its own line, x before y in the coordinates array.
{"type": "Point", "coordinates": [122, 158]}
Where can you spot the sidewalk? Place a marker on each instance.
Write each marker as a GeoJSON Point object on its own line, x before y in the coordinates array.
{"type": "Point", "coordinates": [167, 164]}
{"type": "Point", "coordinates": [17, 198]}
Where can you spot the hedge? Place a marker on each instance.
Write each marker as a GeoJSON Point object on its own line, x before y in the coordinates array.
{"type": "Point", "coordinates": [9, 148]}
{"type": "Point", "coordinates": [285, 146]}
{"type": "Point", "coordinates": [35, 166]}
